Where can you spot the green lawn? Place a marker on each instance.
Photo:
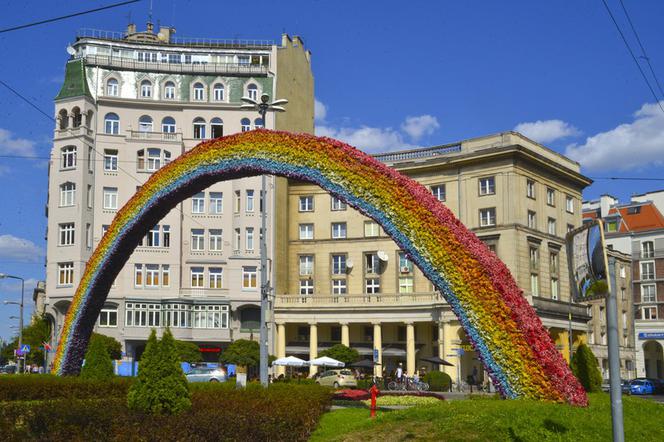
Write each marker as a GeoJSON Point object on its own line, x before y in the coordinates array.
{"type": "Point", "coordinates": [491, 419]}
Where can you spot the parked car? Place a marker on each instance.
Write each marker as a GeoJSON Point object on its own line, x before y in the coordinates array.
{"type": "Point", "coordinates": [8, 369]}
{"type": "Point", "coordinates": [642, 386]}
{"type": "Point", "coordinates": [337, 378]}
{"type": "Point", "coordinates": [624, 385]}
{"type": "Point", "coordinates": [659, 386]}
{"type": "Point", "coordinates": [206, 374]}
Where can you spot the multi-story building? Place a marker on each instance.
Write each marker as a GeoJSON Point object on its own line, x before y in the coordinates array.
{"type": "Point", "coordinates": [130, 103]}
{"type": "Point", "coordinates": [637, 229]}
{"type": "Point", "coordinates": [345, 281]}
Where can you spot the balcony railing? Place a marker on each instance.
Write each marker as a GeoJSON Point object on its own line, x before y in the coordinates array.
{"type": "Point", "coordinates": [418, 153]}
{"type": "Point", "coordinates": [551, 307]}
{"type": "Point", "coordinates": [184, 68]}
{"type": "Point", "coordinates": [182, 41]}
{"type": "Point", "coordinates": [203, 293]}
{"type": "Point", "coordinates": [175, 137]}
{"type": "Point", "coordinates": [383, 299]}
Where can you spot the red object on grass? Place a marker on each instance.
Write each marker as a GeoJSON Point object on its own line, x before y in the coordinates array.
{"type": "Point", "coordinates": [374, 393]}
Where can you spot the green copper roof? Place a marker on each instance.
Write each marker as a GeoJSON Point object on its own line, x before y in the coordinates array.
{"type": "Point", "coordinates": [75, 84]}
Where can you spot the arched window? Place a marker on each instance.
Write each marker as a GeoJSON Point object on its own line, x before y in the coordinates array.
{"type": "Point", "coordinates": [168, 125]}
{"type": "Point", "coordinates": [169, 90]}
{"type": "Point", "coordinates": [112, 123]}
{"type": "Point", "coordinates": [145, 123]}
{"type": "Point", "coordinates": [246, 124]}
{"type": "Point", "coordinates": [64, 119]}
{"type": "Point", "coordinates": [77, 118]}
{"type": "Point", "coordinates": [68, 157]}
{"type": "Point", "coordinates": [199, 128]}
{"type": "Point", "coordinates": [216, 128]}
{"type": "Point", "coordinates": [252, 91]}
{"type": "Point", "coordinates": [146, 89]}
{"type": "Point", "coordinates": [112, 87]}
{"type": "Point", "coordinates": [258, 123]}
{"type": "Point", "coordinates": [218, 92]}
{"type": "Point", "coordinates": [199, 92]}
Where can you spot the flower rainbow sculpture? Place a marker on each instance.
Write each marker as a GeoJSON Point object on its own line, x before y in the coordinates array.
{"type": "Point", "coordinates": [509, 337]}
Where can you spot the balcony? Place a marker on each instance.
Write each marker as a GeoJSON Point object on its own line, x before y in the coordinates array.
{"type": "Point", "coordinates": [137, 135]}
{"type": "Point", "coordinates": [379, 300]}
{"type": "Point", "coordinates": [415, 154]}
{"type": "Point", "coordinates": [560, 310]}
{"type": "Point", "coordinates": [203, 293]}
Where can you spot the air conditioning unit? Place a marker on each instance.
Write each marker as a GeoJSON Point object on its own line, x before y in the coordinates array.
{"type": "Point", "coordinates": [405, 269]}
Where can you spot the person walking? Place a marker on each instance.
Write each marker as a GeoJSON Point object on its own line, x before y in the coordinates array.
{"type": "Point", "coordinates": [400, 373]}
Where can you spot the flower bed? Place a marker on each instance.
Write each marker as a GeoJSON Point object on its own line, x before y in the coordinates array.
{"type": "Point", "coordinates": [351, 395]}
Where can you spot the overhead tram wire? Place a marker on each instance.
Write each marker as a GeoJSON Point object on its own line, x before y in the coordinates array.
{"type": "Point", "coordinates": [80, 137]}
{"type": "Point", "coordinates": [638, 65]}
{"type": "Point", "coordinates": [63, 17]}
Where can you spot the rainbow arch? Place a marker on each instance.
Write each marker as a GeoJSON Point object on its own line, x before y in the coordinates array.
{"type": "Point", "coordinates": [516, 350]}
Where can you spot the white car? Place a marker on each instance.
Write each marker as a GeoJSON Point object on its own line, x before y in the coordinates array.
{"type": "Point", "coordinates": [206, 374]}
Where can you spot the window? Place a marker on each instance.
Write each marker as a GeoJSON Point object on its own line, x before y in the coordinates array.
{"type": "Point", "coordinates": [405, 284]}
{"type": "Point", "coordinates": [249, 238]}
{"type": "Point", "coordinates": [154, 159]}
{"type": "Point", "coordinates": [339, 264]}
{"type": "Point", "coordinates": [249, 278]}
{"type": "Point", "coordinates": [338, 204]}
{"type": "Point", "coordinates": [307, 203]}
{"type": "Point", "coordinates": [168, 125]}
{"type": "Point", "coordinates": [216, 202]}
{"type": "Point", "coordinates": [112, 88]}
{"type": "Point", "coordinates": [534, 284]}
{"type": "Point", "coordinates": [169, 90]}
{"type": "Point", "coordinates": [532, 219]}
{"type": "Point", "coordinates": [569, 204]}
{"type": "Point", "coordinates": [534, 258]}
{"type": "Point", "coordinates": [65, 273]}
{"type": "Point", "coordinates": [210, 316]}
{"type": "Point", "coordinates": [530, 189]}
{"type": "Point", "coordinates": [553, 261]}
{"type": "Point", "coordinates": [145, 124]}
{"type": "Point", "coordinates": [142, 315]}
{"type": "Point", "coordinates": [236, 240]}
{"type": "Point", "coordinates": [68, 157]}
{"type": "Point", "coordinates": [90, 160]}
{"type": "Point", "coordinates": [554, 289]}
{"type": "Point", "coordinates": [649, 312]}
{"type": "Point", "coordinates": [197, 240]}
{"type": "Point", "coordinates": [90, 196]}
{"type": "Point", "coordinates": [88, 235]}
{"type": "Point", "coordinates": [306, 265]}
{"type": "Point", "coordinates": [405, 265]}
{"type": "Point", "coordinates": [488, 217]}
{"type": "Point", "coordinates": [67, 194]}
{"type": "Point", "coordinates": [372, 263]}
{"type": "Point", "coordinates": [372, 285]}
{"type": "Point", "coordinates": [112, 124]}
{"type": "Point", "coordinates": [243, 59]}
{"type": "Point", "coordinates": [197, 277]}
{"type": "Point", "coordinates": [198, 203]}
{"type": "Point", "coordinates": [146, 89]}
{"type": "Point", "coordinates": [218, 92]}
{"type": "Point", "coordinates": [166, 235]}
{"type": "Point", "coordinates": [439, 192]}
{"type": "Point", "coordinates": [216, 240]}
{"type": "Point", "coordinates": [216, 274]}
{"type": "Point", "coordinates": [108, 317]}
{"type": "Point", "coordinates": [236, 202]}
{"type": "Point", "coordinates": [371, 229]}
{"type": "Point", "coordinates": [249, 206]}
{"type": "Point", "coordinates": [258, 123]}
{"type": "Point", "coordinates": [570, 227]}
{"type": "Point", "coordinates": [216, 127]}
{"type": "Point", "coordinates": [306, 231]}
{"type": "Point", "coordinates": [339, 287]}
{"type": "Point", "coordinates": [110, 160]}
{"type": "Point", "coordinates": [306, 286]}
{"type": "Point", "coordinates": [647, 249]}
{"type": "Point", "coordinates": [246, 124]}
{"type": "Point", "coordinates": [550, 197]}
{"type": "Point", "coordinates": [66, 234]}
{"type": "Point", "coordinates": [648, 270]}
{"type": "Point", "coordinates": [252, 91]}
{"type": "Point", "coordinates": [648, 293]}
{"type": "Point", "coordinates": [199, 92]}
{"type": "Point", "coordinates": [487, 185]}
{"type": "Point", "coordinates": [623, 273]}
{"type": "Point", "coordinates": [338, 230]}
{"type": "Point", "coordinates": [110, 198]}
{"type": "Point", "coordinates": [551, 226]}
{"type": "Point", "coordinates": [151, 275]}
{"type": "Point", "coordinates": [199, 128]}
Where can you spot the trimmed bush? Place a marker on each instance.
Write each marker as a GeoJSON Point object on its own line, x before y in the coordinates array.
{"type": "Point", "coordinates": [98, 363]}
{"type": "Point", "coordinates": [113, 346]}
{"type": "Point", "coordinates": [586, 369]}
{"type": "Point", "coordinates": [438, 381]}
{"type": "Point", "coordinates": [49, 387]}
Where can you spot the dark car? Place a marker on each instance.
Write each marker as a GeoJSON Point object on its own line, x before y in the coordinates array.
{"type": "Point", "coordinates": [8, 369]}
{"type": "Point", "coordinates": [659, 386]}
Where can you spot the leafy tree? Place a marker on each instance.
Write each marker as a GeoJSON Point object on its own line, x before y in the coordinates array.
{"type": "Point", "coordinates": [341, 353]}
{"type": "Point", "coordinates": [98, 363]}
{"type": "Point", "coordinates": [188, 351]}
{"type": "Point", "coordinates": [161, 387]}
{"type": "Point", "coordinates": [113, 346]}
{"type": "Point", "coordinates": [586, 369]}
{"type": "Point", "coordinates": [242, 352]}
{"type": "Point", "coordinates": [35, 334]}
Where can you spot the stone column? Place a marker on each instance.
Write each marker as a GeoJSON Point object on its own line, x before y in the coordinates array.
{"type": "Point", "coordinates": [281, 346]}
{"type": "Point", "coordinates": [442, 351]}
{"type": "Point", "coordinates": [345, 334]}
{"type": "Point", "coordinates": [410, 348]}
{"type": "Point", "coordinates": [378, 344]}
{"type": "Point", "coordinates": [313, 346]}
{"type": "Point", "coordinates": [563, 336]}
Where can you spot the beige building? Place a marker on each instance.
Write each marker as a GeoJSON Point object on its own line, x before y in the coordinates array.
{"type": "Point", "coordinates": [345, 281]}
{"type": "Point", "coordinates": [130, 103]}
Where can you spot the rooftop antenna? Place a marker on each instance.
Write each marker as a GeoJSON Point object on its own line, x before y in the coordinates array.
{"type": "Point", "coordinates": [150, 13]}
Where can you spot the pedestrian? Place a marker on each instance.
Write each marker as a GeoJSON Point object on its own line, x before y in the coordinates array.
{"type": "Point", "coordinates": [400, 372]}
{"type": "Point", "coordinates": [475, 379]}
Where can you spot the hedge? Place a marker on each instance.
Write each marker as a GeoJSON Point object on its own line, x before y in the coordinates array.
{"type": "Point", "coordinates": [282, 412]}
{"type": "Point", "coordinates": [438, 381]}
{"type": "Point", "coordinates": [47, 387]}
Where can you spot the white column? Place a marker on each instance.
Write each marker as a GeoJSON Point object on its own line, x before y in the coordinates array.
{"type": "Point", "coordinates": [313, 346]}
{"type": "Point", "coordinates": [281, 346]}
{"type": "Point", "coordinates": [345, 334]}
{"type": "Point", "coordinates": [442, 351]}
{"type": "Point", "coordinates": [378, 345]}
{"type": "Point", "coordinates": [410, 348]}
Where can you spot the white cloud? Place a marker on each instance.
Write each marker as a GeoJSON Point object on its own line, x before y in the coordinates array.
{"type": "Point", "coordinates": [19, 249]}
{"type": "Point", "coordinates": [320, 110]}
{"type": "Point", "coordinates": [9, 145]}
{"type": "Point", "coordinates": [547, 131]}
{"type": "Point", "coordinates": [417, 127]}
{"type": "Point", "coordinates": [369, 139]}
{"type": "Point", "coordinates": [627, 146]}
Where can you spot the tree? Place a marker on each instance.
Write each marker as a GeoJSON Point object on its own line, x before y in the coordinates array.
{"type": "Point", "coordinates": [161, 386]}
{"type": "Point", "coordinates": [113, 346]}
{"type": "Point", "coordinates": [188, 351]}
{"type": "Point", "coordinates": [242, 352]}
{"type": "Point", "coordinates": [35, 334]}
{"type": "Point", "coordinates": [98, 363]}
{"type": "Point", "coordinates": [586, 369]}
{"type": "Point", "coordinates": [341, 353]}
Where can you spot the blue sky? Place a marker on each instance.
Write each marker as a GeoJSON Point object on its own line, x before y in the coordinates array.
{"type": "Point", "coordinates": [388, 75]}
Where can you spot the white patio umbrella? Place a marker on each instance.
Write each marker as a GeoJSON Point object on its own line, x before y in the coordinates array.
{"type": "Point", "coordinates": [290, 361]}
{"type": "Point", "coordinates": [326, 362]}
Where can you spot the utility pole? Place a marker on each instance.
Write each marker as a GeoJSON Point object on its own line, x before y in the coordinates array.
{"type": "Point", "coordinates": [20, 318]}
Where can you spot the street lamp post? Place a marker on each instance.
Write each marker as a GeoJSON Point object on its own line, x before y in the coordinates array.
{"type": "Point", "coordinates": [262, 108]}
{"type": "Point", "coordinates": [20, 319]}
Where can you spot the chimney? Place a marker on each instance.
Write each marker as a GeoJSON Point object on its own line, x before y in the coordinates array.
{"type": "Point", "coordinates": [165, 33]}
{"type": "Point", "coordinates": [605, 203]}
{"type": "Point", "coordinates": [150, 27]}
{"type": "Point", "coordinates": [131, 29]}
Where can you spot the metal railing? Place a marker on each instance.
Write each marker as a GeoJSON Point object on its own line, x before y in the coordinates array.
{"type": "Point", "coordinates": [155, 136]}
{"type": "Point", "coordinates": [382, 299]}
{"type": "Point", "coordinates": [419, 153]}
{"type": "Point", "coordinates": [182, 41]}
{"type": "Point", "coordinates": [150, 66]}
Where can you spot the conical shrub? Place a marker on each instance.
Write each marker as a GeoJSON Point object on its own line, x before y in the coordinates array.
{"type": "Point", "coordinates": [98, 363]}
{"type": "Point", "coordinates": [586, 369]}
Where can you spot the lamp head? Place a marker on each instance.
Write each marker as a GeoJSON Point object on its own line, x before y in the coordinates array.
{"type": "Point", "coordinates": [3, 275]}
{"type": "Point", "coordinates": [265, 98]}
{"type": "Point", "coordinates": [249, 100]}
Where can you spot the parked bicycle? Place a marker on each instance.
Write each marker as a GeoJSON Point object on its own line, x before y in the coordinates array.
{"type": "Point", "coordinates": [408, 384]}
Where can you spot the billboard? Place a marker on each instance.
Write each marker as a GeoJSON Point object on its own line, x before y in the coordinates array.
{"type": "Point", "coordinates": [586, 257]}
